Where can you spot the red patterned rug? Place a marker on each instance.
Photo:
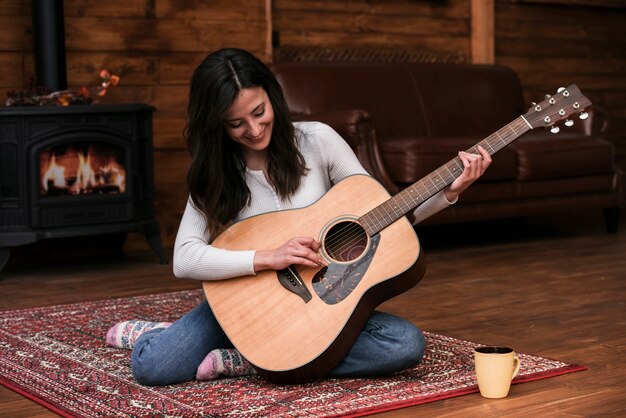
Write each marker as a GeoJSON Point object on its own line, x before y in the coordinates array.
{"type": "Point", "coordinates": [56, 356]}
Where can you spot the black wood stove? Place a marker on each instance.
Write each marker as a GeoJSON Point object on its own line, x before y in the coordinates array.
{"type": "Point", "coordinates": [75, 171]}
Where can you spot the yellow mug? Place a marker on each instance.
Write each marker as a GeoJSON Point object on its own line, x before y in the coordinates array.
{"type": "Point", "coordinates": [495, 368]}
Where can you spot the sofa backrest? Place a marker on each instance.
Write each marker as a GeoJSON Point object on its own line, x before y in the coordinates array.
{"type": "Point", "coordinates": [385, 91]}
{"type": "Point", "coordinates": [407, 100]}
{"type": "Point", "coordinates": [467, 99]}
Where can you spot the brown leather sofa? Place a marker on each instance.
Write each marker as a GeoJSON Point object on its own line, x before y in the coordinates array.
{"type": "Point", "coordinates": [405, 120]}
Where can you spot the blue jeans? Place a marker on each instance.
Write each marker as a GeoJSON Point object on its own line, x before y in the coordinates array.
{"type": "Point", "coordinates": [172, 355]}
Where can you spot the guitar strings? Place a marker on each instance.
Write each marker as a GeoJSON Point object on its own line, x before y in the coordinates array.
{"type": "Point", "coordinates": [345, 238]}
{"type": "Point", "coordinates": [345, 232]}
{"type": "Point", "coordinates": [348, 237]}
{"type": "Point", "coordinates": [352, 233]}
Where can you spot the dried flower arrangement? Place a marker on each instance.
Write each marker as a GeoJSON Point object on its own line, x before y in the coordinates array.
{"type": "Point", "coordinates": [34, 95]}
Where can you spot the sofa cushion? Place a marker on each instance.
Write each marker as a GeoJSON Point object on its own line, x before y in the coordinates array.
{"type": "Point", "coordinates": [519, 190]}
{"type": "Point", "coordinates": [410, 159]}
{"type": "Point", "coordinates": [562, 156]}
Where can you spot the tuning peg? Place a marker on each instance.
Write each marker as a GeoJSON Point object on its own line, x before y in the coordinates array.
{"type": "Point", "coordinates": [548, 96]}
{"type": "Point", "coordinates": [583, 115]}
{"type": "Point", "coordinates": [560, 89]}
{"type": "Point", "coordinates": [555, 129]}
{"type": "Point", "coordinates": [569, 123]}
{"type": "Point", "coordinates": [533, 104]}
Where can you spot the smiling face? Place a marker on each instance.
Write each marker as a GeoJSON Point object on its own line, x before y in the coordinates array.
{"type": "Point", "coordinates": [249, 122]}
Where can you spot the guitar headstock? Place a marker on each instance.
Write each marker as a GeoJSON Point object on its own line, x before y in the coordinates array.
{"type": "Point", "coordinates": [553, 109]}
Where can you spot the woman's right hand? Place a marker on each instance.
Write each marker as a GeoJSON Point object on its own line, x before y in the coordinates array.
{"type": "Point", "coordinates": [299, 250]}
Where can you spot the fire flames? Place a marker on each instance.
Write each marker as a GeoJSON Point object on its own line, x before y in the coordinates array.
{"type": "Point", "coordinates": [78, 172]}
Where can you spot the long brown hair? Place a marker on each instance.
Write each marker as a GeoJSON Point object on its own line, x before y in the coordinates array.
{"type": "Point", "coordinates": [216, 178]}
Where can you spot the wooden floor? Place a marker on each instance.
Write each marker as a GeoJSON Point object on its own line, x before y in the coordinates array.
{"type": "Point", "coordinates": [552, 287]}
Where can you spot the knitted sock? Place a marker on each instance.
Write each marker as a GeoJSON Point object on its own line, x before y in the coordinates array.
{"type": "Point", "coordinates": [224, 362]}
{"type": "Point", "coordinates": [124, 334]}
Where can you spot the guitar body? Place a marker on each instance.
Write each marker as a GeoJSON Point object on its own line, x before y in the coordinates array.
{"type": "Point", "coordinates": [295, 325]}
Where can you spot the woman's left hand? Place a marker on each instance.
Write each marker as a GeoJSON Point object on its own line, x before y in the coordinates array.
{"type": "Point", "coordinates": [474, 167]}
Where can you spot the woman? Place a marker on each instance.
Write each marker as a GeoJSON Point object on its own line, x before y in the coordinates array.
{"type": "Point", "coordinates": [248, 158]}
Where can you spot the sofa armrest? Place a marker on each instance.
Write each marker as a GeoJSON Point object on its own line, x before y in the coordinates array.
{"type": "Point", "coordinates": [595, 125]}
{"type": "Point", "coordinates": [356, 127]}
{"type": "Point", "coordinates": [599, 120]}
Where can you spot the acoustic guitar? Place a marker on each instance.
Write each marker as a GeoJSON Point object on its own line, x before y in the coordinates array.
{"type": "Point", "coordinates": [296, 324]}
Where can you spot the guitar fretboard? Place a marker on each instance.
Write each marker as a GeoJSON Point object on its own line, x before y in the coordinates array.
{"type": "Point", "coordinates": [408, 199]}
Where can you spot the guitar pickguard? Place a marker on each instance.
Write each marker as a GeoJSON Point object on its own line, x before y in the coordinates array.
{"type": "Point", "coordinates": [336, 281]}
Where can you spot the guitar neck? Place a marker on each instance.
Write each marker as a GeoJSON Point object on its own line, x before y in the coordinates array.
{"type": "Point", "coordinates": [408, 199]}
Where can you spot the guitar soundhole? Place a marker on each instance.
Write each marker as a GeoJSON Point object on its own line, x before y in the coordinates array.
{"type": "Point", "coordinates": [345, 241]}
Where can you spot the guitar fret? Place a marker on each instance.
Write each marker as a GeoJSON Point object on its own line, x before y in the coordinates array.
{"type": "Point", "coordinates": [367, 225]}
{"type": "Point", "coordinates": [402, 206]}
{"type": "Point", "coordinates": [489, 145]}
{"type": "Point", "coordinates": [377, 218]}
{"type": "Point", "coordinates": [454, 168]}
{"type": "Point", "coordinates": [387, 207]}
{"type": "Point", "coordinates": [437, 171]}
{"type": "Point", "coordinates": [425, 188]}
{"type": "Point", "coordinates": [457, 164]}
{"type": "Point", "coordinates": [376, 226]}
{"type": "Point", "coordinates": [496, 145]}
{"type": "Point", "coordinates": [385, 213]}
{"type": "Point", "coordinates": [408, 206]}
{"type": "Point", "coordinates": [413, 198]}
{"type": "Point", "coordinates": [418, 192]}
{"type": "Point", "coordinates": [394, 206]}
{"type": "Point", "coordinates": [431, 180]}
{"type": "Point", "coordinates": [424, 194]}
{"type": "Point", "coordinates": [391, 206]}
{"type": "Point", "coordinates": [409, 191]}
{"type": "Point", "coordinates": [498, 133]}
{"type": "Point", "coordinates": [515, 133]}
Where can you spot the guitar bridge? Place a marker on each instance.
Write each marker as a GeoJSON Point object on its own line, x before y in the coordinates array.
{"type": "Point", "coordinates": [291, 280]}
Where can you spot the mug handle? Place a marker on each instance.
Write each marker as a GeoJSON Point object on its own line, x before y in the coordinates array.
{"type": "Point", "coordinates": [516, 364]}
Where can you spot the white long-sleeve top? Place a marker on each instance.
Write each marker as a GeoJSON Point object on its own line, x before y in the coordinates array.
{"type": "Point", "coordinates": [328, 158]}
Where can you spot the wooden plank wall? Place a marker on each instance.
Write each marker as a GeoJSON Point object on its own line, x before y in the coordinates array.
{"type": "Point", "coordinates": [438, 26]}
{"type": "Point", "coordinates": [558, 42]}
{"type": "Point", "coordinates": [154, 45]}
